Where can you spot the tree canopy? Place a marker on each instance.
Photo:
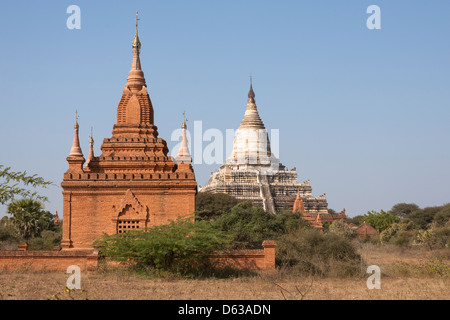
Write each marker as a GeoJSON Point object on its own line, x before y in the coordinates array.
{"type": "Point", "coordinates": [13, 184]}
{"type": "Point", "coordinates": [29, 217]}
{"type": "Point", "coordinates": [380, 220]}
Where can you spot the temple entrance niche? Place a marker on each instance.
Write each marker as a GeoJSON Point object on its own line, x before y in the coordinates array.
{"type": "Point", "coordinates": [130, 215]}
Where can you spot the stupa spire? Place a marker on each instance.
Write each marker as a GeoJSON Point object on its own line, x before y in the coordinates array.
{"type": "Point", "coordinates": [136, 79]}
{"type": "Point", "coordinates": [299, 206]}
{"type": "Point", "coordinates": [184, 155]}
{"type": "Point", "coordinates": [75, 151]}
{"type": "Point", "coordinates": [251, 93]}
{"type": "Point", "coordinates": [251, 118]}
{"type": "Point", "coordinates": [91, 150]}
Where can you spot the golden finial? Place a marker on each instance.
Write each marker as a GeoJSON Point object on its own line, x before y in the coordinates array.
{"type": "Point", "coordinates": [184, 126]}
{"type": "Point", "coordinates": [251, 93]}
{"type": "Point", "coordinates": [91, 140]}
{"type": "Point", "coordinates": [137, 19]}
{"type": "Point", "coordinates": [76, 126]}
{"type": "Point", "coordinates": [136, 42]}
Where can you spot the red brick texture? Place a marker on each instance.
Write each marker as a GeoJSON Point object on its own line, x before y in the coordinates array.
{"type": "Point", "coordinates": [87, 260]}
{"type": "Point", "coordinates": [133, 184]}
{"type": "Point", "coordinates": [47, 260]}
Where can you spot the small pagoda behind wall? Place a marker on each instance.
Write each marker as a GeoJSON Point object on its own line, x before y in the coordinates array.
{"type": "Point", "coordinates": [252, 172]}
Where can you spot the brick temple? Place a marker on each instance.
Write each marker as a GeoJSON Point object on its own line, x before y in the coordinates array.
{"type": "Point", "coordinates": [133, 184]}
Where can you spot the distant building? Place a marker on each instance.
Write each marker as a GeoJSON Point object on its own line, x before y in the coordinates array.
{"type": "Point", "coordinates": [252, 172]}
{"type": "Point", "coordinates": [315, 220]}
{"type": "Point", "coordinates": [366, 230]}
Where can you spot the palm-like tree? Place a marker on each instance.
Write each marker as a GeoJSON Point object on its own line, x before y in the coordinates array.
{"type": "Point", "coordinates": [26, 214]}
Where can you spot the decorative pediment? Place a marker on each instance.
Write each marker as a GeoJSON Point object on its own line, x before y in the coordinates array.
{"type": "Point", "coordinates": [130, 205]}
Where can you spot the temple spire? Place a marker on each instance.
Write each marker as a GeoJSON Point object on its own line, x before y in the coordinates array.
{"type": "Point", "coordinates": [136, 79]}
{"type": "Point", "coordinates": [251, 118]}
{"type": "Point", "coordinates": [251, 94]}
{"type": "Point", "coordinates": [299, 206]}
{"type": "Point", "coordinates": [184, 155]}
{"type": "Point", "coordinates": [136, 42]}
{"type": "Point", "coordinates": [75, 151]}
{"type": "Point", "coordinates": [91, 150]}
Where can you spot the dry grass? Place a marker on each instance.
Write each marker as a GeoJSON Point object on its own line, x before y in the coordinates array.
{"type": "Point", "coordinates": [123, 285]}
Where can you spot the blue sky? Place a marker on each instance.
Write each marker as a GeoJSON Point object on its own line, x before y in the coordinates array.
{"type": "Point", "coordinates": [364, 114]}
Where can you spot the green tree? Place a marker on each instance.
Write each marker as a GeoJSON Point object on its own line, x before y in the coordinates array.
{"type": "Point", "coordinates": [250, 225]}
{"type": "Point", "coordinates": [28, 217]}
{"type": "Point", "coordinates": [423, 218]}
{"type": "Point", "coordinates": [13, 184]}
{"type": "Point", "coordinates": [211, 205]}
{"type": "Point", "coordinates": [357, 220]}
{"type": "Point", "coordinates": [442, 217]}
{"type": "Point", "coordinates": [402, 210]}
{"type": "Point", "coordinates": [380, 220]}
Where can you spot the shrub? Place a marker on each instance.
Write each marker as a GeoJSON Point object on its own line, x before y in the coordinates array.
{"type": "Point", "coordinates": [9, 237]}
{"type": "Point", "coordinates": [443, 216]}
{"type": "Point", "coordinates": [47, 241]}
{"type": "Point", "coordinates": [211, 205]}
{"type": "Point", "coordinates": [309, 252]}
{"type": "Point", "coordinates": [357, 220]}
{"type": "Point", "coordinates": [434, 238]}
{"type": "Point", "coordinates": [250, 225]}
{"type": "Point", "coordinates": [340, 227]}
{"type": "Point", "coordinates": [380, 220]}
{"type": "Point", "coordinates": [181, 247]}
{"type": "Point", "coordinates": [400, 233]}
{"type": "Point", "coordinates": [403, 238]}
{"type": "Point", "coordinates": [423, 218]}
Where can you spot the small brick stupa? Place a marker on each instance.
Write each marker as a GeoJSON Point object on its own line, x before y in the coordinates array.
{"type": "Point", "coordinates": [133, 184]}
{"type": "Point", "coordinates": [315, 220]}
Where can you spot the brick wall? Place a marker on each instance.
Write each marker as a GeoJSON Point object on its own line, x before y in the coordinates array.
{"type": "Point", "coordinates": [88, 260]}
{"type": "Point", "coordinates": [47, 260]}
{"type": "Point", "coordinates": [251, 259]}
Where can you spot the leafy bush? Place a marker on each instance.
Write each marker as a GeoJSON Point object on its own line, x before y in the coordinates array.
{"type": "Point", "coordinates": [9, 237]}
{"type": "Point", "coordinates": [400, 233]}
{"type": "Point", "coordinates": [434, 238]}
{"type": "Point", "coordinates": [357, 220]}
{"type": "Point", "coordinates": [309, 252]}
{"type": "Point", "coordinates": [442, 217]}
{"type": "Point", "coordinates": [435, 266]}
{"type": "Point", "coordinates": [403, 238]}
{"type": "Point", "coordinates": [380, 220]}
{"type": "Point", "coordinates": [47, 241]}
{"type": "Point", "coordinates": [341, 228]}
{"type": "Point", "coordinates": [423, 218]}
{"type": "Point", "coordinates": [210, 205]}
{"type": "Point", "coordinates": [250, 225]}
{"type": "Point", "coordinates": [181, 247]}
